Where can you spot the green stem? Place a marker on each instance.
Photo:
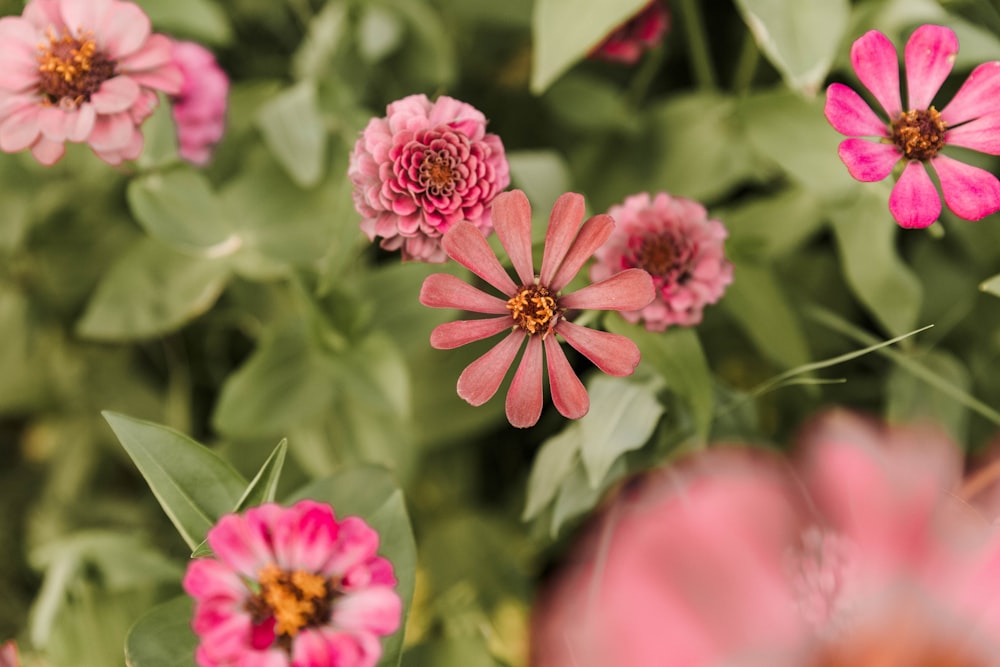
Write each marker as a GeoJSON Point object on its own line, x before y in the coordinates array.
{"type": "Point", "coordinates": [746, 65]}
{"type": "Point", "coordinates": [645, 75]}
{"type": "Point", "coordinates": [697, 41]}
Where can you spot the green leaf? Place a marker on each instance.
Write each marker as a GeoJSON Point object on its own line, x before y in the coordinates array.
{"type": "Point", "coordinates": [910, 399]}
{"type": "Point", "coordinates": [159, 146]}
{"type": "Point", "coordinates": [451, 652]}
{"type": "Point", "coordinates": [379, 33]}
{"type": "Point", "coordinates": [577, 496]}
{"type": "Point", "coordinates": [565, 30]}
{"type": "Point", "coordinates": [590, 104]}
{"type": "Point", "coordinates": [553, 464]}
{"type": "Point", "coordinates": [543, 175]}
{"type": "Point", "coordinates": [775, 224]}
{"type": "Point", "coordinates": [162, 637]}
{"type": "Point", "coordinates": [192, 484]}
{"type": "Point", "coordinates": [326, 29]}
{"type": "Point", "coordinates": [295, 132]}
{"type": "Point", "coordinates": [201, 20]}
{"type": "Point", "coordinates": [991, 285]}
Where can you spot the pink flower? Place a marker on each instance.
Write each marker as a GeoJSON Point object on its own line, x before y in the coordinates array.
{"type": "Point", "coordinates": [640, 33]}
{"type": "Point", "coordinates": [861, 555]}
{"type": "Point", "coordinates": [533, 307]}
{"type": "Point", "coordinates": [673, 239]}
{"type": "Point", "coordinates": [423, 168]}
{"type": "Point", "coordinates": [8, 655]}
{"type": "Point", "coordinates": [200, 108]}
{"type": "Point", "coordinates": [918, 134]}
{"type": "Point", "coordinates": [292, 586]}
{"type": "Point", "coordinates": [84, 71]}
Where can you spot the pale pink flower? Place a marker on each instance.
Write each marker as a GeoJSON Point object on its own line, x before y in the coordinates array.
{"type": "Point", "coordinates": [918, 134]}
{"type": "Point", "coordinates": [674, 240]}
{"type": "Point", "coordinates": [859, 555]}
{"type": "Point", "coordinates": [8, 655]}
{"type": "Point", "coordinates": [292, 587]}
{"type": "Point", "coordinates": [199, 109]}
{"type": "Point", "coordinates": [533, 307]}
{"type": "Point", "coordinates": [421, 169]}
{"type": "Point", "coordinates": [642, 32]}
{"type": "Point", "coordinates": [84, 71]}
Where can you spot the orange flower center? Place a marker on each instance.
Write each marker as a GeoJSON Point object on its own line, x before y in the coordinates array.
{"type": "Point", "coordinates": [71, 69]}
{"type": "Point", "coordinates": [437, 172]}
{"type": "Point", "coordinates": [534, 309]}
{"type": "Point", "coordinates": [295, 600]}
{"type": "Point", "coordinates": [919, 133]}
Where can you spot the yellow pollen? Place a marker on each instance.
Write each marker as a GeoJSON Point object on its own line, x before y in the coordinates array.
{"type": "Point", "coordinates": [71, 69]}
{"type": "Point", "coordinates": [919, 133]}
{"type": "Point", "coordinates": [294, 598]}
{"type": "Point", "coordinates": [533, 308]}
{"type": "Point", "coordinates": [66, 56]}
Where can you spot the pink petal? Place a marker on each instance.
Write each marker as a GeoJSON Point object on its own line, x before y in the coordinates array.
{"type": "Point", "coordinates": [564, 221]}
{"type": "Point", "coordinates": [322, 648]}
{"type": "Point", "coordinates": [981, 134]}
{"type": "Point", "coordinates": [111, 133]}
{"type": "Point", "coordinates": [85, 15]}
{"type": "Point", "coordinates": [568, 393]}
{"type": "Point", "coordinates": [613, 354]}
{"type": "Point", "coordinates": [238, 545]}
{"type": "Point", "coordinates": [115, 95]}
{"type": "Point", "coordinates": [929, 56]}
{"type": "Point", "coordinates": [48, 152]}
{"type": "Point", "coordinates": [914, 201]}
{"type": "Point", "coordinates": [8, 655]}
{"type": "Point", "coordinates": [311, 531]}
{"type": "Point", "coordinates": [125, 29]}
{"type": "Point", "coordinates": [868, 161]}
{"type": "Point", "coordinates": [462, 332]}
{"type": "Point", "coordinates": [443, 290]}
{"type": "Point", "coordinates": [376, 609]}
{"type": "Point", "coordinates": [208, 578]}
{"type": "Point", "coordinates": [524, 398]}
{"type": "Point", "coordinates": [630, 289]}
{"type": "Point", "coordinates": [80, 124]}
{"type": "Point", "coordinates": [20, 129]}
{"type": "Point", "coordinates": [481, 379]}
{"type": "Point", "coordinates": [465, 244]}
{"type": "Point", "coordinates": [970, 192]}
{"type": "Point", "coordinates": [273, 657]}
{"type": "Point", "coordinates": [592, 236]}
{"type": "Point", "coordinates": [357, 542]}
{"type": "Point", "coordinates": [978, 96]}
{"type": "Point", "coordinates": [52, 122]}
{"type": "Point", "coordinates": [511, 216]}
{"type": "Point", "coordinates": [850, 114]}
{"type": "Point", "coordinates": [877, 66]}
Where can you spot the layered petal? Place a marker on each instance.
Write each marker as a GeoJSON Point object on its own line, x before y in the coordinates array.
{"type": "Point", "coordinates": [970, 192]}
{"type": "Point", "coordinates": [850, 114]}
{"type": "Point", "coordinates": [868, 161]}
{"type": "Point", "coordinates": [613, 354]}
{"type": "Point", "coordinates": [914, 201]}
{"type": "Point", "coordinates": [929, 56]}
{"type": "Point", "coordinates": [376, 609]}
{"type": "Point", "coordinates": [877, 65]}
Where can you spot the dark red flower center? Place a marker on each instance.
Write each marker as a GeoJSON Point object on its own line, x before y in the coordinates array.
{"type": "Point", "coordinates": [919, 133]}
{"type": "Point", "coordinates": [437, 172]}
{"type": "Point", "coordinates": [534, 309]}
{"type": "Point", "coordinates": [658, 255]}
{"type": "Point", "coordinates": [294, 599]}
{"type": "Point", "coordinates": [71, 69]}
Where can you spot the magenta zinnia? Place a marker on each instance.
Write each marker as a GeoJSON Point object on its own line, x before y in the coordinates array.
{"type": "Point", "coordinates": [630, 40]}
{"type": "Point", "coordinates": [533, 307]}
{"type": "Point", "coordinates": [84, 71]}
{"type": "Point", "coordinates": [292, 586]}
{"type": "Point", "coordinates": [918, 134]}
{"type": "Point", "coordinates": [199, 109]}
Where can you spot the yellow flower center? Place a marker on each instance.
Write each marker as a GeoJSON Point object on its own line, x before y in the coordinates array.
{"type": "Point", "coordinates": [71, 69]}
{"type": "Point", "coordinates": [919, 133]}
{"type": "Point", "coordinates": [437, 172]}
{"type": "Point", "coordinates": [534, 309]}
{"type": "Point", "coordinates": [295, 599]}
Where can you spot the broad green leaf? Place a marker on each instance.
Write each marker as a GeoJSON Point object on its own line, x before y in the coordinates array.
{"type": "Point", "coordinates": [379, 33]}
{"type": "Point", "coordinates": [295, 132]}
{"type": "Point", "coordinates": [162, 637]}
{"type": "Point", "coordinates": [775, 224]}
{"type": "Point", "coordinates": [543, 175]}
{"type": "Point", "coordinates": [577, 496]}
{"type": "Point", "coordinates": [565, 30]}
{"type": "Point", "coordinates": [909, 399]}
{"type": "Point", "coordinates": [159, 134]}
{"type": "Point", "coordinates": [202, 20]}
{"type": "Point", "coordinates": [590, 104]}
{"type": "Point", "coordinates": [991, 285]}
{"type": "Point", "coordinates": [192, 484]}
{"type": "Point", "coordinates": [152, 290]}
{"type": "Point", "coordinates": [326, 29]}
{"type": "Point", "coordinates": [553, 464]}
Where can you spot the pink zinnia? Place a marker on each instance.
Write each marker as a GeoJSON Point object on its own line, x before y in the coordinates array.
{"type": "Point", "coordinates": [640, 33]}
{"type": "Point", "coordinates": [674, 240]}
{"type": "Point", "coordinates": [533, 307]}
{"type": "Point", "coordinates": [85, 71]}
{"type": "Point", "coordinates": [423, 168]}
{"type": "Point", "coordinates": [8, 655]}
{"type": "Point", "coordinates": [918, 134]}
{"type": "Point", "coordinates": [200, 108]}
{"type": "Point", "coordinates": [292, 586]}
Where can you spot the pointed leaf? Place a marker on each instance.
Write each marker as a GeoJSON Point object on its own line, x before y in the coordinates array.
{"type": "Point", "coordinates": [294, 130]}
{"type": "Point", "coordinates": [553, 464]}
{"type": "Point", "coordinates": [162, 637]}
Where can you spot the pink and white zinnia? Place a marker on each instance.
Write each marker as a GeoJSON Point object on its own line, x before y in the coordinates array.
{"type": "Point", "coordinates": [533, 307]}
{"type": "Point", "coordinates": [920, 132]}
{"type": "Point", "coordinates": [292, 586]}
{"type": "Point", "coordinates": [84, 71]}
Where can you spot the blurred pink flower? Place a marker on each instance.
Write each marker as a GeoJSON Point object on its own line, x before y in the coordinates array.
{"type": "Point", "coordinates": [673, 239]}
{"type": "Point", "coordinates": [861, 555]}
{"type": "Point", "coordinates": [292, 586]}
{"type": "Point", "coordinates": [421, 169]}
{"type": "Point", "coordinates": [918, 135]}
{"type": "Point", "coordinates": [8, 655]}
{"type": "Point", "coordinates": [84, 71]}
{"type": "Point", "coordinates": [533, 308]}
{"type": "Point", "coordinates": [640, 33]}
{"type": "Point", "coordinates": [200, 108]}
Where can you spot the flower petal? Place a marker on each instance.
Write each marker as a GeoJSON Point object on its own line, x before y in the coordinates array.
{"type": "Point", "coordinates": [511, 216]}
{"type": "Point", "coordinates": [126, 28]}
{"type": "Point", "coordinates": [568, 393]}
{"type": "Point", "coordinates": [613, 354]}
{"type": "Point", "coordinates": [48, 152]}
{"type": "Point", "coordinates": [564, 221]}
{"type": "Point", "coordinates": [592, 236]}
{"type": "Point", "coordinates": [981, 134]}
{"type": "Point", "coordinates": [914, 201]}
{"type": "Point", "coordinates": [524, 398]}
{"type": "Point", "coordinates": [978, 96]}
{"type": "Point", "coordinates": [111, 133]}
{"type": "Point", "coordinates": [850, 114]}
{"type": "Point", "coordinates": [929, 56]}
{"type": "Point", "coordinates": [85, 15]}
{"type": "Point", "coordinates": [481, 379]}
{"type": "Point", "coordinates": [465, 244]}
{"type": "Point", "coordinates": [868, 161]}
{"type": "Point", "coordinates": [20, 129]}
{"type": "Point", "coordinates": [877, 66]}
{"type": "Point", "coordinates": [115, 95]}
{"type": "Point", "coordinates": [630, 289]}
{"type": "Point", "coordinates": [443, 290]}
{"type": "Point", "coordinates": [970, 192]}
{"type": "Point", "coordinates": [376, 609]}
{"type": "Point", "coordinates": [455, 334]}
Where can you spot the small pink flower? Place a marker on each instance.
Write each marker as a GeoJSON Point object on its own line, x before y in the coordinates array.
{"type": "Point", "coordinates": [85, 71]}
{"type": "Point", "coordinates": [292, 586]}
{"type": "Point", "coordinates": [918, 134]}
{"type": "Point", "coordinates": [673, 239]}
{"type": "Point", "coordinates": [8, 655]}
{"type": "Point", "coordinates": [640, 33]}
{"type": "Point", "coordinates": [423, 168]}
{"type": "Point", "coordinates": [533, 307]}
{"type": "Point", "coordinates": [200, 108]}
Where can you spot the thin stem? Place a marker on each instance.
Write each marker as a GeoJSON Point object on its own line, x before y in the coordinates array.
{"type": "Point", "coordinates": [746, 65]}
{"type": "Point", "coordinates": [697, 41]}
{"type": "Point", "coordinates": [645, 75]}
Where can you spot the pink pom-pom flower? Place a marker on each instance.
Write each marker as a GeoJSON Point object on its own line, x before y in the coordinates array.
{"type": "Point", "coordinates": [199, 109]}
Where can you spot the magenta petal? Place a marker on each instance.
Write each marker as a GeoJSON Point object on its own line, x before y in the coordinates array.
{"type": "Point", "coordinates": [630, 289]}
{"type": "Point", "coordinates": [511, 216]}
{"type": "Point", "coordinates": [564, 221]}
{"type": "Point", "coordinates": [877, 66]}
{"type": "Point", "coordinates": [462, 332]}
{"type": "Point", "coordinates": [592, 236]}
{"type": "Point", "coordinates": [970, 192]}
{"type": "Point", "coordinates": [978, 96]}
{"type": "Point", "coordinates": [868, 161]}
{"type": "Point", "coordinates": [914, 201]}
{"type": "Point", "coordinates": [982, 134]}
{"type": "Point", "coordinates": [524, 398]}
{"type": "Point", "coordinates": [929, 57]}
{"type": "Point", "coordinates": [443, 290]}
{"type": "Point", "coordinates": [375, 609]}
{"type": "Point", "coordinates": [481, 379]}
{"type": "Point", "coordinates": [568, 393]}
{"type": "Point", "coordinates": [613, 354]}
{"type": "Point", "coordinates": [850, 114]}
{"type": "Point", "coordinates": [465, 244]}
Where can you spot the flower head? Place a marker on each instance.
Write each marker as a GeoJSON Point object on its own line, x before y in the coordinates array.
{"type": "Point", "coordinates": [423, 168]}
{"type": "Point", "coordinates": [85, 71]}
{"type": "Point", "coordinates": [200, 108]}
{"type": "Point", "coordinates": [673, 239]}
{"type": "Point", "coordinates": [8, 655]}
{"type": "Point", "coordinates": [292, 586]}
{"type": "Point", "coordinates": [919, 133]}
{"type": "Point", "coordinates": [533, 307]}
{"type": "Point", "coordinates": [640, 33]}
